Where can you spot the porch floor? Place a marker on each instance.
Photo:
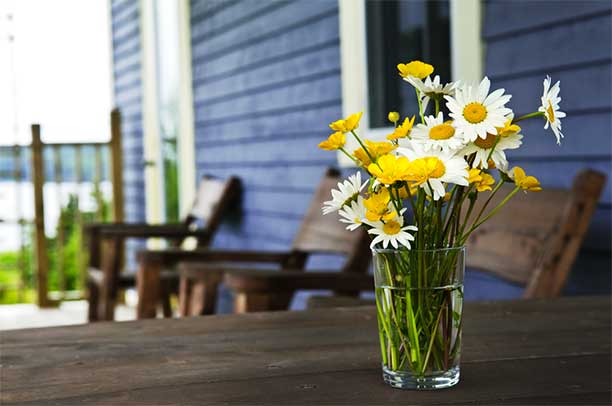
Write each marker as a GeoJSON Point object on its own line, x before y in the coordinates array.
{"type": "Point", "coordinates": [18, 316]}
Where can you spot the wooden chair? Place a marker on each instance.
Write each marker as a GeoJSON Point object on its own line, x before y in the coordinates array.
{"type": "Point", "coordinates": [272, 289]}
{"type": "Point", "coordinates": [105, 279]}
{"type": "Point", "coordinates": [533, 241]}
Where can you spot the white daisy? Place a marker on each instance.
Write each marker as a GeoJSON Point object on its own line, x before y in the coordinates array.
{"type": "Point", "coordinates": [434, 169]}
{"type": "Point", "coordinates": [353, 215]}
{"type": "Point", "coordinates": [509, 138]}
{"type": "Point", "coordinates": [347, 193]}
{"type": "Point", "coordinates": [550, 108]}
{"type": "Point", "coordinates": [476, 112]}
{"type": "Point", "coordinates": [432, 88]}
{"type": "Point", "coordinates": [392, 232]}
{"type": "Point", "coordinates": [436, 134]}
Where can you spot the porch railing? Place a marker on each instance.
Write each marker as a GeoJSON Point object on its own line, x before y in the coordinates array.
{"type": "Point", "coordinates": [82, 166]}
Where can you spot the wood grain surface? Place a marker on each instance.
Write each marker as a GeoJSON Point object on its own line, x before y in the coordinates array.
{"type": "Point", "coordinates": [515, 352]}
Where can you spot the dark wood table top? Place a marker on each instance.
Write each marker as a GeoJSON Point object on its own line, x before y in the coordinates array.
{"type": "Point", "coordinates": [519, 352]}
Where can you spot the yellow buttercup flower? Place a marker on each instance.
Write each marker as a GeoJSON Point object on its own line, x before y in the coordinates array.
{"type": "Point", "coordinates": [423, 169]}
{"type": "Point", "coordinates": [338, 126]}
{"type": "Point", "coordinates": [377, 206]}
{"type": "Point", "coordinates": [416, 69]}
{"type": "Point", "coordinates": [376, 150]}
{"type": "Point", "coordinates": [403, 130]}
{"type": "Point", "coordinates": [525, 182]}
{"type": "Point", "coordinates": [508, 129]}
{"type": "Point", "coordinates": [481, 180]}
{"type": "Point", "coordinates": [348, 124]}
{"type": "Point", "coordinates": [389, 169]}
{"type": "Point", "coordinates": [393, 116]}
{"type": "Point", "coordinates": [474, 175]}
{"type": "Point", "coordinates": [333, 142]}
{"type": "Point", "coordinates": [352, 121]}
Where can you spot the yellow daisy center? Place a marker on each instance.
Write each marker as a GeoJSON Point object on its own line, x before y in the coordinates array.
{"type": "Point", "coordinates": [391, 227]}
{"type": "Point", "coordinates": [441, 132]}
{"type": "Point", "coordinates": [551, 112]}
{"type": "Point", "coordinates": [486, 143]}
{"type": "Point", "coordinates": [475, 113]}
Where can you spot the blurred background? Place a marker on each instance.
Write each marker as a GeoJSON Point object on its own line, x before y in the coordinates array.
{"type": "Point", "coordinates": [247, 88]}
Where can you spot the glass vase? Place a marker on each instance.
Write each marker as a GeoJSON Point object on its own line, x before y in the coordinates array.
{"type": "Point", "coordinates": [419, 302]}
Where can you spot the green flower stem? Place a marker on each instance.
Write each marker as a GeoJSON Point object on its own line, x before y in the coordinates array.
{"type": "Point", "coordinates": [410, 200]}
{"type": "Point", "coordinates": [491, 213]}
{"type": "Point", "coordinates": [530, 115]}
{"type": "Point", "coordinates": [437, 101]}
{"type": "Point", "coordinates": [392, 306]}
{"type": "Point", "coordinates": [484, 206]}
{"type": "Point", "coordinates": [469, 212]}
{"type": "Point", "coordinates": [413, 336]}
{"type": "Point", "coordinates": [431, 339]}
{"type": "Point", "coordinates": [347, 154]}
{"type": "Point", "coordinates": [364, 147]}
{"type": "Point", "coordinates": [455, 211]}
{"type": "Point", "coordinates": [395, 200]}
{"type": "Point", "coordinates": [491, 152]}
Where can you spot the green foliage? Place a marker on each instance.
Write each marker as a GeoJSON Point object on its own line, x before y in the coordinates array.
{"type": "Point", "coordinates": [12, 264]}
{"type": "Point", "coordinates": [67, 257]}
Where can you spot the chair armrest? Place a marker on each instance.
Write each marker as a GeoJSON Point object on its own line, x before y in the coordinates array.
{"type": "Point", "coordinates": [267, 281]}
{"type": "Point", "coordinates": [144, 230]}
{"type": "Point", "coordinates": [172, 256]}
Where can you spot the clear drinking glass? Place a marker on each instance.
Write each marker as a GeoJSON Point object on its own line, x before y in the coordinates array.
{"type": "Point", "coordinates": [419, 302]}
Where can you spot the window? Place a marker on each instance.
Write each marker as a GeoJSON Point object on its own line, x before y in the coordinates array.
{"type": "Point", "coordinates": [377, 35]}
{"type": "Point", "coordinates": [401, 31]}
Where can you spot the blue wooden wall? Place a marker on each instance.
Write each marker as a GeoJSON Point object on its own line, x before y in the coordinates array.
{"type": "Point", "coordinates": [570, 40]}
{"type": "Point", "coordinates": [266, 82]}
{"type": "Point", "coordinates": [127, 96]}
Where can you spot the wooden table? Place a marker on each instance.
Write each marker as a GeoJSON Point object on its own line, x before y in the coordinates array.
{"type": "Point", "coordinates": [514, 353]}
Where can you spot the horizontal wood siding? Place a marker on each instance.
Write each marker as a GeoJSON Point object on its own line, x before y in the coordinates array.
{"type": "Point", "coordinates": [266, 82]}
{"type": "Point", "coordinates": [127, 95]}
{"type": "Point", "coordinates": [570, 40]}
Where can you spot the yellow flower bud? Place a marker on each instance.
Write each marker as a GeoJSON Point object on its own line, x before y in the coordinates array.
{"type": "Point", "coordinates": [393, 116]}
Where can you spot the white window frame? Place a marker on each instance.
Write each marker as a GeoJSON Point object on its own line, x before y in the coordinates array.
{"type": "Point", "coordinates": [154, 189]}
{"type": "Point", "coordinates": [466, 59]}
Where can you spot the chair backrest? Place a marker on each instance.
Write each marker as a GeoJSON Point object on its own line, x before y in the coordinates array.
{"type": "Point", "coordinates": [213, 198]}
{"type": "Point", "coordinates": [534, 239]}
{"type": "Point", "coordinates": [324, 234]}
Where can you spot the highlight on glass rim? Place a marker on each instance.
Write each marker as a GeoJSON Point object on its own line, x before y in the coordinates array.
{"type": "Point", "coordinates": [418, 205]}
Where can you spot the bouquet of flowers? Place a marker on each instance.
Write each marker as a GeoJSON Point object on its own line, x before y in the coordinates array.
{"type": "Point", "coordinates": [424, 182]}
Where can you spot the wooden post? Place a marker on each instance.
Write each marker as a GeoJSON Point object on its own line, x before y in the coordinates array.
{"type": "Point", "coordinates": [117, 181]}
{"type": "Point", "coordinates": [116, 166]}
{"type": "Point", "coordinates": [38, 182]}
